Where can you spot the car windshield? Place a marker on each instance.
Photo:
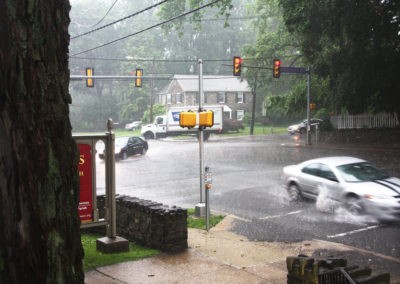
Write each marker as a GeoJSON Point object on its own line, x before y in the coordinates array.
{"type": "Point", "coordinates": [359, 172]}
{"type": "Point", "coordinates": [120, 142]}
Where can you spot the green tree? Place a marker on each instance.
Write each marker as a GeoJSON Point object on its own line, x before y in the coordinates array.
{"type": "Point", "coordinates": [39, 183]}
{"type": "Point", "coordinates": [273, 41]}
{"type": "Point", "coordinates": [353, 44]}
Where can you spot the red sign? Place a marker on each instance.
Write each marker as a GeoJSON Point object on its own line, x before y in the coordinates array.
{"type": "Point", "coordinates": [85, 175]}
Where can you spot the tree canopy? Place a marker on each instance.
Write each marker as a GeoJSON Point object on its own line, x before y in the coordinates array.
{"type": "Point", "coordinates": [351, 47]}
{"type": "Point", "coordinates": [354, 44]}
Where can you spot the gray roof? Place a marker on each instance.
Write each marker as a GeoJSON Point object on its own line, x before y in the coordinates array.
{"type": "Point", "coordinates": [190, 83]}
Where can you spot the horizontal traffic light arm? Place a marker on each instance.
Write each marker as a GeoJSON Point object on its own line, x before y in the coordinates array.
{"type": "Point", "coordinates": [111, 77]}
{"type": "Point", "coordinates": [284, 69]}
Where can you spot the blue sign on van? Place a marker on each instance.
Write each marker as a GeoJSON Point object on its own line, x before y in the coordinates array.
{"type": "Point", "coordinates": [175, 115]}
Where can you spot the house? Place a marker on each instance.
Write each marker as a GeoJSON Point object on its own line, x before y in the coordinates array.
{"type": "Point", "coordinates": [231, 92]}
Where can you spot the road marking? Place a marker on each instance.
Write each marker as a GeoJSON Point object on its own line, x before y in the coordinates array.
{"type": "Point", "coordinates": [239, 218]}
{"type": "Point", "coordinates": [352, 232]}
{"type": "Point", "coordinates": [281, 215]}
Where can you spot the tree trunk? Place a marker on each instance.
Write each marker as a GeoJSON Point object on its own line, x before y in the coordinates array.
{"type": "Point", "coordinates": [39, 183]}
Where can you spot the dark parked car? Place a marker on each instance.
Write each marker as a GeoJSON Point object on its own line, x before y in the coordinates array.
{"type": "Point", "coordinates": [128, 146]}
{"type": "Point", "coordinates": [357, 184]}
{"type": "Point", "coordinates": [232, 125]}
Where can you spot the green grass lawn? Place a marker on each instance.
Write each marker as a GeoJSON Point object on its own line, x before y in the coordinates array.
{"type": "Point", "coordinates": [200, 223]}
{"type": "Point", "coordinates": [258, 130]}
{"type": "Point", "coordinates": [94, 259]}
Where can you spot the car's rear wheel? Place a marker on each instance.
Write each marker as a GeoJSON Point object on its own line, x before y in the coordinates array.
{"type": "Point", "coordinates": [143, 151]}
{"type": "Point", "coordinates": [124, 156]}
{"type": "Point", "coordinates": [354, 205]}
{"type": "Point", "coordinates": [294, 192]}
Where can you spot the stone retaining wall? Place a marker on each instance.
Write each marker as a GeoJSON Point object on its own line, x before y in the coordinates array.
{"type": "Point", "coordinates": [149, 223]}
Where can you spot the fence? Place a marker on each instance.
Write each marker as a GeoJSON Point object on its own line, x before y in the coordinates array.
{"type": "Point", "coordinates": [380, 120]}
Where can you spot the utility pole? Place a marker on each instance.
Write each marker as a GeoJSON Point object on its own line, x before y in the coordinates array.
{"type": "Point", "coordinates": [253, 115]}
{"type": "Point", "coordinates": [151, 91]}
{"type": "Point", "coordinates": [308, 107]}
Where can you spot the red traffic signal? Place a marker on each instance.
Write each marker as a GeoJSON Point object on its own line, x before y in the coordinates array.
{"type": "Point", "coordinates": [237, 66]}
{"type": "Point", "coordinates": [276, 70]}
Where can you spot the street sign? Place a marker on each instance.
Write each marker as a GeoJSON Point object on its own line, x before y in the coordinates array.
{"type": "Point", "coordinates": [298, 70]}
{"type": "Point", "coordinates": [85, 175]}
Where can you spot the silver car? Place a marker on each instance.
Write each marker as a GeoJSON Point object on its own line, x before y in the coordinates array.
{"type": "Point", "coordinates": [133, 125]}
{"type": "Point", "coordinates": [301, 127]}
{"type": "Point", "coordinates": [356, 183]}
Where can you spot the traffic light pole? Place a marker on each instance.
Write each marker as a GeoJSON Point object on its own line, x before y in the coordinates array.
{"type": "Point", "coordinates": [308, 106]}
{"type": "Point", "coordinates": [201, 136]}
{"type": "Point", "coordinates": [278, 69]}
{"type": "Point", "coordinates": [200, 207]}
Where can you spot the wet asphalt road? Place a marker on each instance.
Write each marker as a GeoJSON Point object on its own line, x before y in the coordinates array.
{"type": "Point", "coordinates": [246, 183]}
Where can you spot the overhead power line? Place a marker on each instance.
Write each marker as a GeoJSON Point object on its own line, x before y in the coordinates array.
{"type": "Point", "coordinates": [120, 20]}
{"type": "Point", "coordinates": [151, 27]}
{"type": "Point", "coordinates": [112, 6]}
{"type": "Point", "coordinates": [149, 59]}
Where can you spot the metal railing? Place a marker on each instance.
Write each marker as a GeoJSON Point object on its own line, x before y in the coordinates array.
{"type": "Point", "coordinates": [336, 276]}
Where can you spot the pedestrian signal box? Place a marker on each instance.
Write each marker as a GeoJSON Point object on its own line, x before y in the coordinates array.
{"type": "Point", "coordinates": [187, 119]}
{"type": "Point", "coordinates": [206, 118]}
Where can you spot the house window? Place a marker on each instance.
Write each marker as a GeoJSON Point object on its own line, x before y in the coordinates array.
{"type": "Point", "coordinates": [179, 98]}
{"type": "Point", "coordinates": [240, 97]}
{"type": "Point", "coordinates": [239, 114]}
{"type": "Point", "coordinates": [168, 99]}
{"type": "Point", "coordinates": [221, 97]}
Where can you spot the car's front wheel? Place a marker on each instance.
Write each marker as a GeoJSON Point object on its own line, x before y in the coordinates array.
{"type": "Point", "coordinates": [294, 192]}
{"type": "Point", "coordinates": [143, 151]}
{"type": "Point", "coordinates": [354, 205]}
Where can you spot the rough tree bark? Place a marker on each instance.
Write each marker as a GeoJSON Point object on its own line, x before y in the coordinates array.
{"type": "Point", "coordinates": [39, 223]}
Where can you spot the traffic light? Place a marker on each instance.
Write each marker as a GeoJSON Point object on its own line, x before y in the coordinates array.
{"type": "Point", "coordinates": [187, 119]}
{"type": "Point", "coordinates": [138, 79]}
{"type": "Point", "coordinates": [237, 66]}
{"type": "Point", "coordinates": [276, 72]}
{"type": "Point", "coordinates": [206, 118]}
{"type": "Point", "coordinates": [89, 73]}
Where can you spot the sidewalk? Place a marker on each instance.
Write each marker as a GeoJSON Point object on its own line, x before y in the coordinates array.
{"type": "Point", "coordinates": [217, 256]}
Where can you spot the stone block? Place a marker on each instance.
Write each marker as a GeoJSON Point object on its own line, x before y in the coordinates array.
{"type": "Point", "coordinates": [112, 245]}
